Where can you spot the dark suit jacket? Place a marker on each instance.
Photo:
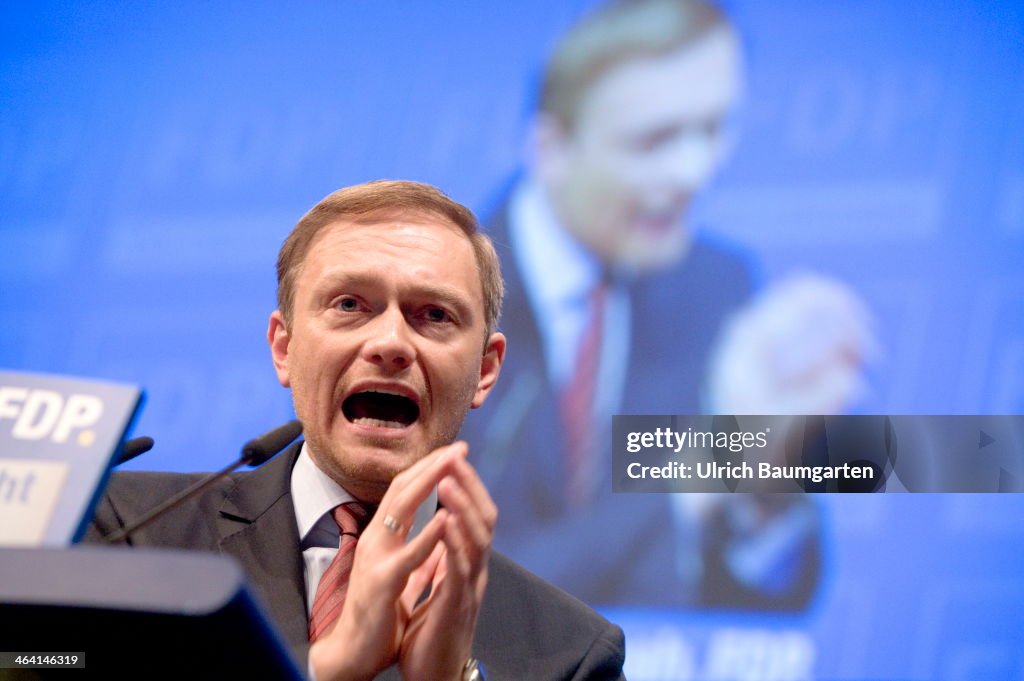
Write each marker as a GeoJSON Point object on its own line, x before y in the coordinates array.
{"type": "Point", "coordinates": [622, 548]}
{"type": "Point", "coordinates": [527, 629]}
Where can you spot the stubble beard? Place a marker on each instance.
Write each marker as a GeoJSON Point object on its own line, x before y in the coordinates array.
{"type": "Point", "coordinates": [369, 480]}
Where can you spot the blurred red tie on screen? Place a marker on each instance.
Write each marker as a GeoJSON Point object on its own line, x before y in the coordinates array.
{"type": "Point", "coordinates": [577, 404]}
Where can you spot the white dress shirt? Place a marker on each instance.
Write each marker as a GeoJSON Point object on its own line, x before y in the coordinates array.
{"type": "Point", "coordinates": [558, 274]}
{"type": "Point", "coordinates": [314, 495]}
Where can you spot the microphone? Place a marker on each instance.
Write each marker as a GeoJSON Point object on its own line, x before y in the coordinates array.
{"type": "Point", "coordinates": [133, 448]}
{"type": "Point", "coordinates": [254, 452]}
{"type": "Point", "coordinates": [264, 447]}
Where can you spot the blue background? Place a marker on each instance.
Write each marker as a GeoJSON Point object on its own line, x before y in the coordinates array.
{"type": "Point", "coordinates": [154, 156]}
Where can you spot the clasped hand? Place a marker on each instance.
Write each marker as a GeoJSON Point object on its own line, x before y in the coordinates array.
{"type": "Point", "coordinates": [385, 618]}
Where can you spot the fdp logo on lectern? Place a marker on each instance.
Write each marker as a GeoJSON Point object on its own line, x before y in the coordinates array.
{"type": "Point", "coordinates": [38, 413]}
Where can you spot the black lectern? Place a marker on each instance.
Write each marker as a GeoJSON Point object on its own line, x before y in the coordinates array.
{"type": "Point", "coordinates": [136, 614]}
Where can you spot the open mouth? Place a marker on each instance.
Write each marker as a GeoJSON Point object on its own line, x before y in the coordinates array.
{"type": "Point", "coordinates": [657, 222]}
{"type": "Point", "coordinates": [663, 215]}
{"type": "Point", "coordinates": [380, 409]}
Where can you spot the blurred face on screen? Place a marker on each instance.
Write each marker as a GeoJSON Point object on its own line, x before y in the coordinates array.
{"type": "Point", "coordinates": [646, 137]}
{"type": "Point", "coordinates": [385, 354]}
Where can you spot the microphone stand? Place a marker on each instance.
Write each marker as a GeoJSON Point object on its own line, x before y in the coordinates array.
{"type": "Point", "coordinates": [254, 453]}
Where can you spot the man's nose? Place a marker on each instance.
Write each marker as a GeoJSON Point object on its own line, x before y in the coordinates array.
{"type": "Point", "coordinates": [390, 343]}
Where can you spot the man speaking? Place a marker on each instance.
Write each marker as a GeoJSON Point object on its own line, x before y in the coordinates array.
{"type": "Point", "coordinates": [385, 332]}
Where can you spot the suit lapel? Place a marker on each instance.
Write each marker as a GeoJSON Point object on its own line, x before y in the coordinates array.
{"type": "Point", "coordinates": [522, 418]}
{"type": "Point", "coordinates": [257, 527]}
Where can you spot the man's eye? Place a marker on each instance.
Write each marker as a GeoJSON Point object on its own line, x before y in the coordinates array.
{"type": "Point", "coordinates": [348, 305]}
{"type": "Point", "coordinates": [437, 314]}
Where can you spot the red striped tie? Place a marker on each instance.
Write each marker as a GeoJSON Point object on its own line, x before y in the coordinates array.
{"type": "Point", "coordinates": [577, 405]}
{"type": "Point", "coordinates": [330, 592]}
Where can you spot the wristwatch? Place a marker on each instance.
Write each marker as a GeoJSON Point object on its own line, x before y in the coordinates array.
{"type": "Point", "coordinates": [473, 670]}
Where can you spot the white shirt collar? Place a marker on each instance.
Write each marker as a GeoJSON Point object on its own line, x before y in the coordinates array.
{"type": "Point", "coordinates": [314, 494]}
{"type": "Point", "coordinates": [558, 275]}
{"type": "Point", "coordinates": [546, 247]}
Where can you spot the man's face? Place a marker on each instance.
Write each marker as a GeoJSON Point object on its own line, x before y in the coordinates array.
{"type": "Point", "coordinates": [385, 354]}
{"type": "Point", "coordinates": [647, 136]}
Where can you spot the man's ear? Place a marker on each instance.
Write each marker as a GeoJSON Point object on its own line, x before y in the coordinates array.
{"type": "Point", "coordinates": [490, 367]}
{"type": "Point", "coordinates": [278, 338]}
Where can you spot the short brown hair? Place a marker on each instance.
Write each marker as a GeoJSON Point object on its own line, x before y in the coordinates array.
{"type": "Point", "coordinates": [616, 33]}
{"type": "Point", "coordinates": [381, 199]}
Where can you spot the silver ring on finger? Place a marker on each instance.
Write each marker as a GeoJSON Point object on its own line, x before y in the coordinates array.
{"type": "Point", "coordinates": [392, 524]}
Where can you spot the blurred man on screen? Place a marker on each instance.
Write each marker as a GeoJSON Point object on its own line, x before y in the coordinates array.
{"type": "Point", "coordinates": [620, 306]}
{"type": "Point", "coordinates": [385, 332]}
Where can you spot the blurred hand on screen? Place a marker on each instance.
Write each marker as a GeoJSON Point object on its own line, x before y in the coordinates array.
{"type": "Point", "coordinates": [800, 347]}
